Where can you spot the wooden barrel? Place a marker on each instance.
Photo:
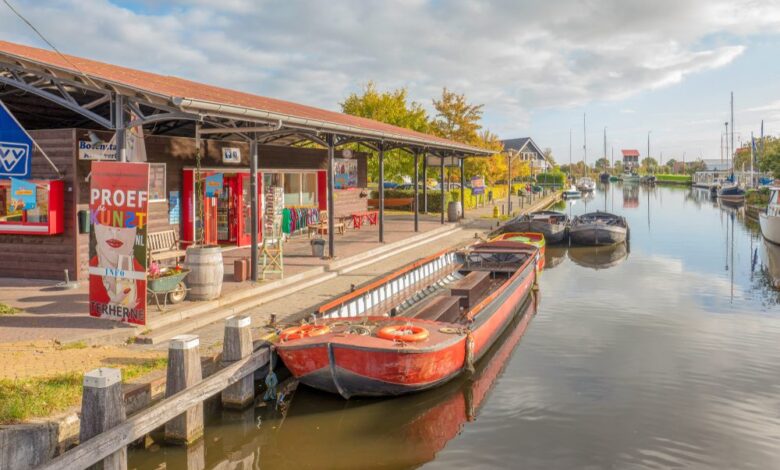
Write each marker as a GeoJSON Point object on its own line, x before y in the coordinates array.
{"type": "Point", "coordinates": [206, 272]}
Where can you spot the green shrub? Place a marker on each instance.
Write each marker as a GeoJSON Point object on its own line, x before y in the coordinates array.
{"type": "Point", "coordinates": [757, 197]}
{"type": "Point", "coordinates": [551, 179]}
{"type": "Point", "coordinates": [679, 179]}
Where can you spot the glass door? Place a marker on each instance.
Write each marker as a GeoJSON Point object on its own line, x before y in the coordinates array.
{"type": "Point", "coordinates": [244, 201]}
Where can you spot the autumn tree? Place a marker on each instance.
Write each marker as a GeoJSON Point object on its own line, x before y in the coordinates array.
{"type": "Point", "coordinates": [602, 163]}
{"type": "Point", "coordinates": [649, 164]}
{"type": "Point", "coordinates": [391, 107]}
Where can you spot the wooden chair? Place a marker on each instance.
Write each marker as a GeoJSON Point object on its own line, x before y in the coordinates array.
{"type": "Point", "coordinates": [321, 228]}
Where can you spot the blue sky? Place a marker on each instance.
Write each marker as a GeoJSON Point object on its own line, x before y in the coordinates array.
{"type": "Point", "coordinates": [631, 65]}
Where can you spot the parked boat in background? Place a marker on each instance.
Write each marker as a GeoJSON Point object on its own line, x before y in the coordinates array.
{"type": "Point", "coordinates": [551, 224]}
{"type": "Point", "coordinates": [769, 219]}
{"type": "Point", "coordinates": [417, 328]}
{"type": "Point", "coordinates": [630, 177]}
{"type": "Point", "coordinates": [531, 238]}
{"type": "Point", "coordinates": [648, 180]}
{"type": "Point", "coordinates": [731, 193]}
{"type": "Point", "coordinates": [604, 177]}
{"type": "Point", "coordinates": [572, 193]}
{"type": "Point", "coordinates": [614, 178]}
{"type": "Point", "coordinates": [586, 185]}
{"type": "Point", "coordinates": [598, 228]}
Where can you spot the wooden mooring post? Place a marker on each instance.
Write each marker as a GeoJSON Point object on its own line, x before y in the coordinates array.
{"type": "Point", "coordinates": [184, 371]}
{"type": "Point", "coordinates": [102, 408]}
{"type": "Point", "coordinates": [237, 345]}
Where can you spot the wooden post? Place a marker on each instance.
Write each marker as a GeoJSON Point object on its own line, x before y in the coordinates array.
{"type": "Point", "coordinates": [238, 345]}
{"type": "Point", "coordinates": [102, 408]}
{"type": "Point", "coordinates": [183, 372]}
{"type": "Point", "coordinates": [416, 206]}
{"type": "Point", "coordinates": [381, 192]}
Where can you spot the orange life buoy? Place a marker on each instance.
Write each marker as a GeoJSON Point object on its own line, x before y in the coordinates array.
{"type": "Point", "coordinates": [303, 331]}
{"type": "Point", "coordinates": [405, 333]}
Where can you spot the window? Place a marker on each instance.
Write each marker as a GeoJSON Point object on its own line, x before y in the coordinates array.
{"type": "Point", "coordinates": [157, 182]}
{"type": "Point", "coordinates": [292, 189]}
{"type": "Point", "coordinates": [309, 189]}
{"type": "Point", "coordinates": [300, 188]}
{"type": "Point", "coordinates": [46, 218]}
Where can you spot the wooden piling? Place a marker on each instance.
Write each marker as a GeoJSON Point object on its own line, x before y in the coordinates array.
{"type": "Point", "coordinates": [238, 345]}
{"type": "Point", "coordinates": [102, 408]}
{"type": "Point", "coordinates": [184, 371]}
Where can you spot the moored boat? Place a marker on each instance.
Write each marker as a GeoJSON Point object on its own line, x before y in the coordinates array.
{"type": "Point", "coordinates": [648, 180]}
{"type": "Point", "coordinates": [731, 193]}
{"type": "Point", "coordinates": [572, 193]}
{"type": "Point", "coordinates": [614, 178]}
{"type": "Point", "coordinates": [604, 177]}
{"type": "Point", "coordinates": [415, 329]}
{"type": "Point", "coordinates": [551, 224]}
{"type": "Point", "coordinates": [531, 238]}
{"type": "Point", "coordinates": [598, 228]}
{"type": "Point", "coordinates": [629, 177]}
{"type": "Point", "coordinates": [769, 219]}
{"type": "Point", "coordinates": [586, 185]}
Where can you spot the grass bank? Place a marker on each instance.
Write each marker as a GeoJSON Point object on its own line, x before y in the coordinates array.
{"type": "Point", "coordinates": [23, 399]}
{"type": "Point", "coordinates": [8, 310]}
{"type": "Point", "coordinates": [674, 179]}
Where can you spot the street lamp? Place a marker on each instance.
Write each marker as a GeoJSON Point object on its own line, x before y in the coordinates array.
{"type": "Point", "coordinates": [648, 144]}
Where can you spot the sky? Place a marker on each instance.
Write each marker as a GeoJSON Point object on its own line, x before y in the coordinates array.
{"type": "Point", "coordinates": [665, 67]}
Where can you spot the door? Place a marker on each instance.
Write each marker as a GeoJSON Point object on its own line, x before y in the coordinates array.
{"type": "Point", "coordinates": [244, 201]}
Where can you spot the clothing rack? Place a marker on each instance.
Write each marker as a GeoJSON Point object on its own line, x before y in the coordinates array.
{"type": "Point", "coordinates": [297, 218]}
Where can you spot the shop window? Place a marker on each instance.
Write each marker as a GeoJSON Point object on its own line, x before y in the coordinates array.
{"type": "Point", "coordinates": [45, 219]}
{"type": "Point", "coordinates": [157, 183]}
{"type": "Point", "coordinates": [309, 189]}
{"type": "Point", "coordinates": [300, 188]}
{"type": "Point", "coordinates": [292, 189]}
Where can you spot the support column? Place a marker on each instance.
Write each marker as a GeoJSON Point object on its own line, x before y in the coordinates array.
{"type": "Point", "coordinates": [253, 207]}
{"type": "Point", "coordinates": [416, 191]}
{"type": "Point", "coordinates": [238, 345]}
{"type": "Point", "coordinates": [120, 124]}
{"type": "Point", "coordinates": [184, 371]}
{"type": "Point", "coordinates": [331, 188]}
{"type": "Point", "coordinates": [441, 162]}
{"type": "Point", "coordinates": [509, 186]}
{"type": "Point", "coordinates": [462, 188]}
{"type": "Point", "coordinates": [381, 192]}
{"type": "Point", "coordinates": [425, 183]}
{"type": "Point", "coordinates": [102, 408]}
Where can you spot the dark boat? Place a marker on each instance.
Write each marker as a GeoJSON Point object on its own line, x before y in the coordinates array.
{"type": "Point", "coordinates": [731, 193]}
{"type": "Point", "coordinates": [415, 329]}
{"type": "Point", "coordinates": [551, 224]}
{"type": "Point", "coordinates": [598, 228]}
{"type": "Point", "coordinates": [648, 180]}
{"type": "Point", "coordinates": [604, 177]}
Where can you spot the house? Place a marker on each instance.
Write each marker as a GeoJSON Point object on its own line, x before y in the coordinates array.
{"type": "Point", "coordinates": [528, 151]}
{"type": "Point", "coordinates": [630, 158]}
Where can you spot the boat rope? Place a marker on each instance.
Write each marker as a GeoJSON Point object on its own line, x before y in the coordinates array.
{"type": "Point", "coordinates": [271, 380]}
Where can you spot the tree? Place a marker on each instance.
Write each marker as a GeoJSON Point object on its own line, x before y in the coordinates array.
{"type": "Point", "coordinates": [770, 158]}
{"type": "Point", "coordinates": [548, 155]}
{"type": "Point", "coordinates": [602, 163]}
{"type": "Point", "coordinates": [392, 107]}
{"type": "Point", "coordinates": [649, 164]}
{"type": "Point", "coordinates": [670, 163]}
{"type": "Point", "coordinates": [456, 118]}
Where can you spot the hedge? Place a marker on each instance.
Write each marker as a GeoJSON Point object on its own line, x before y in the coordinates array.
{"type": "Point", "coordinates": [677, 179]}
{"type": "Point", "coordinates": [434, 196]}
{"type": "Point", "coordinates": [551, 179]}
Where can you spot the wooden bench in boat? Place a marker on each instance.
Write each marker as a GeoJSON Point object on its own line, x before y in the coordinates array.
{"type": "Point", "coordinates": [471, 287]}
{"type": "Point", "coordinates": [164, 246]}
{"type": "Point", "coordinates": [439, 308]}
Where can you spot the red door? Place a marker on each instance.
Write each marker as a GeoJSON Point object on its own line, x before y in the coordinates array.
{"type": "Point", "coordinates": [244, 219]}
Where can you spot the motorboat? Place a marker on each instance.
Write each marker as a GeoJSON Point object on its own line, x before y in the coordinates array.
{"type": "Point", "coordinates": [415, 329]}
{"type": "Point", "coordinates": [604, 177]}
{"type": "Point", "coordinates": [551, 224]}
{"type": "Point", "coordinates": [648, 180]}
{"type": "Point", "coordinates": [614, 178]}
{"type": "Point", "coordinates": [572, 193]}
{"type": "Point", "coordinates": [629, 177]}
{"type": "Point", "coordinates": [598, 228]}
{"type": "Point", "coordinates": [769, 219]}
{"type": "Point", "coordinates": [586, 185]}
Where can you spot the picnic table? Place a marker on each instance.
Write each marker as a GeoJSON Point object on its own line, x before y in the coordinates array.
{"type": "Point", "coordinates": [359, 218]}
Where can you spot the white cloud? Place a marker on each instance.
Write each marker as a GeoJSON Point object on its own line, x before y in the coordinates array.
{"type": "Point", "coordinates": [514, 56]}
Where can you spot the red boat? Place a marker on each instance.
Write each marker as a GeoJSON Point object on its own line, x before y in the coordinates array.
{"type": "Point", "coordinates": [416, 328]}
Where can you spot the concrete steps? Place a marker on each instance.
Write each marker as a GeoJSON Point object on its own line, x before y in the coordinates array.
{"type": "Point", "coordinates": [167, 325]}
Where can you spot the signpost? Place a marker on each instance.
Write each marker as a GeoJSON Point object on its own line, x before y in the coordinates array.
{"type": "Point", "coordinates": [118, 207]}
{"type": "Point", "coordinates": [16, 147]}
{"type": "Point", "coordinates": [477, 185]}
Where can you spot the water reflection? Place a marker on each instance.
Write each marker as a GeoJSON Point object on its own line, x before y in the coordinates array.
{"type": "Point", "coordinates": [599, 257]}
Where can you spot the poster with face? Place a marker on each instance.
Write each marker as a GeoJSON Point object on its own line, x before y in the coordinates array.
{"type": "Point", "coordinates": [118, 203]}
{"type": "Point", "coordinates": [345, 173]}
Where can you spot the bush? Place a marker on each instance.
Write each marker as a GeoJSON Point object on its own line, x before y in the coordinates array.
{"type": "Point", "coordinates": [434, 196]}
{"type": "Point", "coordinates": [757, 197]}
{"type": "Point", "coordinates": [551, 179]}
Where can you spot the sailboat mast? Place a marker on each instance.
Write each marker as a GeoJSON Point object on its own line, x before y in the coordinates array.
{"type": "Point", "coordinates": [732, 133]}
{"type": "Point", "coordinates": [570, 167]}
{"type": "Point", "coordinates": [584, 146]}
{"type": "Point", "coordinates": [605, 145]}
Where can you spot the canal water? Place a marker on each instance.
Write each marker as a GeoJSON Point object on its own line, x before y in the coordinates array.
{"type": "Point", "coordinates": [663, 353]}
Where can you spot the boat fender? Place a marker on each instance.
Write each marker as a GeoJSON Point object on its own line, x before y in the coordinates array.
{"type": "Point", "coordinates": [403, 333]}
{"type": "Point", "coordinates": [303, 331]}
{"type": "Point", "coordinates": [469, 362]}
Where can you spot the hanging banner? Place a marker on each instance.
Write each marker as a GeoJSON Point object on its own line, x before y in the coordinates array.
{"type": "Point", "coordinates": [345, 173]}
{"type": "Point", "coordinates": [22, 195]}
{"type": "Point", "coordinates": [16, 147]}
{"type": "Point", "coordinates": [118, 207]}
{"type": "Point", "coordinates": [134, 142]}
{"type": "Point", "coordinates": [477, 185]}
{"type": "Point", "coordinates": [214, 185]}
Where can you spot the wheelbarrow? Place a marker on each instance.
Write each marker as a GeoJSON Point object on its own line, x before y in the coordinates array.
{"type": "Point", "coordinates": [170, 286]}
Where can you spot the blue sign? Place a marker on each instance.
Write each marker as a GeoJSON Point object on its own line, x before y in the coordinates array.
{"type": "Point", "coordinates": [16, 147]}
{"type": "Point", "coordinates": [214, 185]}
{"type": "Point", "coordinates": [22, 195]}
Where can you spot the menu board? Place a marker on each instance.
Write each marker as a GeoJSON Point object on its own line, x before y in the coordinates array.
{"type": "Point", "coordinates": [156, 181]}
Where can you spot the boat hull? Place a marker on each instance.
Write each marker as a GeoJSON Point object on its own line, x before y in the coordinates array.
{"type": "Point", "coordinates": [553, 233]}
{"type": "Point", "coordinates": [348, 367]}
{"type": "Point", "coordinates": [770, 227]}
{"type": "Point", "coordinates": [597, 235]}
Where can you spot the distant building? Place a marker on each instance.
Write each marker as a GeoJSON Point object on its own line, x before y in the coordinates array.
{"type": "Point", "coordinates": [716, 164]}
{"type": "Point", "coordinates": [528, 151]}
{"type": "Point", "coordinates": [630, 158]}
